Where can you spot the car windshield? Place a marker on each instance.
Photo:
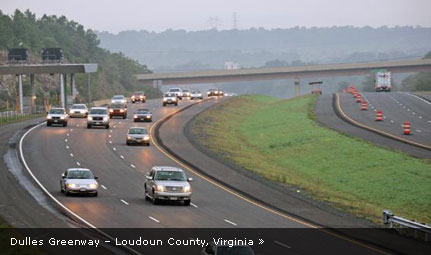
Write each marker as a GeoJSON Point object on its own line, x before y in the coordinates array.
{"type": "Point", "coordinates": [78, 106]}
{"type": "Point", "coordinates": [118, 97]}
{"type": "Point", "coordinates": [116, 106]}
{"type": "Point", "coordinates": [80, 174]}
{"type": "Point", "coordinates": [142, 111]}
{"type": "Point", "coordinates": [170, 176]}
{"type": "Point", "coordinates": [234, 250]}
{"type": "Point", "coordinates": [56, 111]}
{"type": "Point", "coordinates": [138, 93]}
{"type": "Point", "coordinates": [138, 131]}
{"type": "Point", "coordinates": [98, 111]}
{"type": "Point", "coordinates": [196, 92]}
{"type": "Point", "coordinates": [174, 90]}
{"type": "Point", "coordinates": [186, 90]}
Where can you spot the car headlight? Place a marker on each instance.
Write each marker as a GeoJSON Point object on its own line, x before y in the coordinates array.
{"type": "Point", "coordinates": [71, 185]}
{"type": "Point", "coordinates": [141, 96]}
{"type": "Point", "coordinates": [164, 99]}
{"type": "Point", "coordinates": [49, 117]}
{"type": "Point", "coordinates": [93, 186]}
{"type": "Point", "coordinates": [121, 110]}
{"type": "Point", "coordinates": [133, 97]}
{"type": "Point", "coordinates": [89, 118]}
{"type": "Point", "coordinates": [111, 110]}
{"type": "Point", "coordinates": [174, 99]}
{"type": "Point", "coordinates": [146, 137]}
{"type": "Point", "coordinates": [160, 188]}
{"type": "Point", "coordinates": [105, 118]}
{"type": "Point", "coordinates": [187, 189]}
{"type": "Point", "coordinates": [129, 137]}
{"type": "Point", "coordinates": [62, 117]}
{"type": "Point", "coordinates": [135, 116]}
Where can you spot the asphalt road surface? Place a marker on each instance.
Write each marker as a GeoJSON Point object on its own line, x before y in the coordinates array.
{"type": "Point", "coordinates": [121, 169]}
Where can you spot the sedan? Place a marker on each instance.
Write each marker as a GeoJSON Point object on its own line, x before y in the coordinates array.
{"type": "Point", "coordinates": [143, 115]}
{"type": "Point", "coordinates": [78, 110]}
{"type": "Point", "coordinates": [78, 181]}
{"type": "Point", "coordinates": [196, 94]}
{"type": "Point", "coordinates": [138, 135]}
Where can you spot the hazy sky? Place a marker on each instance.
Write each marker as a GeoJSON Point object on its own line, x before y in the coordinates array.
{"type": "Point", "coordinates": [159, 15]}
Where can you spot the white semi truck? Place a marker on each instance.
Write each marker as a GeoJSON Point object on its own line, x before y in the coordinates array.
{"type": "Point", "coordinates": [383, 81]}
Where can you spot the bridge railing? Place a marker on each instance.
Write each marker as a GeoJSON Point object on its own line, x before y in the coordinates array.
{"type": "Point", "coordinates": [10, 116]}
{"type": "Point", "coordinates": [405, 226]}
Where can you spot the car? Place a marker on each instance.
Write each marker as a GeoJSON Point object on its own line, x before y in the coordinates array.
{"type": "Point", "coordinates": [57, 116]}
{"type": "Point", "coordinates": [118, 99]}
{"type": "Point", "coordinates": [98, 116]}
{"type": "Point", "coordinates": [143, 115]}
{"type": "Point", "coordinates": [168, 183]}
{"type": "Point", "coordinates": [186, 93]}
{"type": "Point", "coordinates": [138, 135]}
{"type": "Point", "coordinates": [214, 249]}
{"type": "Point", "coordinates": [78, 110]}
{"type": "Point", "coordinates": [196, 94]}
{"type": "Point", "coordinates": [117, 110]}
{"type": "Point", "coordinates": [212, 92]}
{"type": "Point", "coordinates": [138, 96]}
{"type": "Point", "coordinates": [170, 98]}
{"type": "Point", "coordinates": [220, 92]}
{"type": "Point", "coordinates": [177, 91]}
{"type": "Point", "coordinates": [78, 181]}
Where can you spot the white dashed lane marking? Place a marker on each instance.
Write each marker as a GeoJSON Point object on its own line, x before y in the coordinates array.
{"type": "Point", "coordinates": [230, 222]}
{"type": "Point", "coordinates": [121, 156]}
{"type": "Point", "coordinates": [71, 154]}
{"type": "Point", "coordinates": [78, 163]}
{"type": "Point", "coordinates": [65, 140]}
{"type": "Point", "coordinates": [154, 219]}
{"type": "Point", "coordinates": [67, 147]}
{"type": "Point", "coordinates": [417, 130]}
{"type": "Point", "coordinates": [282, 244]}
{"type": "Point", "coordinates": [133, 166]}
{"type": "Point", "coordinates": [195, 206]}
{"type": "Point", "coordinates": [103, 187]}
{"type": "Point", "coordinates": [124, 202]}
{"type": "Point", "coordinates": [114, 149]}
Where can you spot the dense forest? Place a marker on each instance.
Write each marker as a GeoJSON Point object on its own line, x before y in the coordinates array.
{"type": "Point", "coordinates": [210, 49]}
{"type": "Point", "coordinates": [115, 71]}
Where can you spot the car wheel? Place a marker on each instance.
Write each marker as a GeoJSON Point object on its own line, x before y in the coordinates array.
{"type": "Point", "coordinates": [65, 124]}
{"type": "Point", "coordinates": [146, 193]}
{"type": "Point", "coordinates": [176, 104]}
{"type": "Point", "coordinates": [135, 120]}
{"type": "Point", "coordinates": [107, 126]}
{"type": "Point", "coordinates": [48, 124]}
{"type": "Point", "coordinates": [66, 193]}
{"type": "Point", "coordinates": [154, 200]}
{"type": "Point", "coordinates": [124, 117]}
{"type": "Point", "coordinates": [95, 194]}
{"type": "Point", "coordinates": [164, 105]}
{"type": "Point", "coordinates": [187, 202]}
{"type": "Point", "coordinates": [88, 125]}
{"type": "Point", "coordinates": [128, 143]}
{"type": "Point", "coordinates": [61, 188]}
{"type": "Point", "coordinates": [143, 101]}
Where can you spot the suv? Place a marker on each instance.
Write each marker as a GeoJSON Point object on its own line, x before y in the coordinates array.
{"type": "Point", "coordinates": [118, 99]}
{"type": "Point", "coordinates": [177, 91]}
{"type": "Point", "coordinates": [138, 96]}
{"type": "Point", "coordinates": [117, 110]}
{"type": "Point", "coordinates": [57, 116]}
{"type": "Point", "coordinates": [78, 110]}
{"type": "Point", "coordinates": [170, 98]}
{"type": "Point", "coordinates": [98, 116]}
{"type": "Point", "coordinates": [168, 183]}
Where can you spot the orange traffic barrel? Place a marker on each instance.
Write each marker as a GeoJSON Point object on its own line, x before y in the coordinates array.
{"type": "Point", "coordinates": [358, 99]}
{"type": "Point", "coordinates": [407, 128]}
{"type": "Point", "coordinates": [379, 116]}
{"type": "Point", "coordinates": [364, 106]}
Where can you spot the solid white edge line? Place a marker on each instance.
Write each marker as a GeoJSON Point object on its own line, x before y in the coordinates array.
{"type": "Point", "coordinates": [154, 219]}
{"type": "Point", "coordinates": [55, 199]}
{"type": "Point", "coordinates": [423, 100]}
{"type": "Point", "coordinates": [124, 201]}
{"type": "Point", "coordinates": [230, 222]}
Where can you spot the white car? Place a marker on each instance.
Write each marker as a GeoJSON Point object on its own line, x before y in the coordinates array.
{"type": "Point", "coordinates": [170, 98]}
{"type": "Point", "coordinates": [177, 91]}
{"type": "Point", "coordinates": [57, 116]}
{"type": "Point", "coordinates": [78, 181]}
{"type": "Point", "coordinates": [118, 99]}
{"type": "Point", "coordinates": [196, 94]}
{"type": "Point", "coordinates": [78, 110]}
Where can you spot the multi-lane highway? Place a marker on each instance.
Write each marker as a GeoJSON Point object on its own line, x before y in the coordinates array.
{"type": "Point", "coordinates": [48, 151]}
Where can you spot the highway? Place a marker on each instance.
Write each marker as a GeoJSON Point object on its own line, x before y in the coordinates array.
{"type": "Point", "coordinates": [121, 169]}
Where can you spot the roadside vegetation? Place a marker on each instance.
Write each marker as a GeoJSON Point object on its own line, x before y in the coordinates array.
{"type": "Point", "coordinates": [17, 118]}
{"type": "Point", "coordinates": [280, 140]}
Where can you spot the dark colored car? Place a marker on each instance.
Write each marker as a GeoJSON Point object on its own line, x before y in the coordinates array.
{"type": "Point", "coordinates": [143, 115]}
{"type": "Point", "coordinates": [138, 96]}
{"type": "Point", "coordinates": [117, 110]}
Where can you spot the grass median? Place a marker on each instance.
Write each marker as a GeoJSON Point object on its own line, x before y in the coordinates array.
{"type": "Point", "coordinates": [280, 140]}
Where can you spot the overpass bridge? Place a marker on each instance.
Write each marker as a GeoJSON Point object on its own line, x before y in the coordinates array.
{"type": "Point", "coordinates": [280, 73]}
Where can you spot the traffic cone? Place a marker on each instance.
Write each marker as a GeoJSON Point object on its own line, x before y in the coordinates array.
{"type": "Point", "coordinates": [407, 128]}
{"type": "Point", "coordinates": [364, 106]}
{"type": "Point", "coordinates": [379, 116]}
{"type": "Point", "coordinates": [358, 99]}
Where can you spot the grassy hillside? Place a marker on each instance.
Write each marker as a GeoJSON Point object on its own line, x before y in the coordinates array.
{"type": "Point", "coordinates": [280, 140]}
{"type": "Point", "coordinates": [79, 45]}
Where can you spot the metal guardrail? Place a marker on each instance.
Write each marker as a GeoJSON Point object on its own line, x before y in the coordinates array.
{"type": "Point", "coordinates": [9, 116]}
{"type": "Point", "coordinates": [400, 223]}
